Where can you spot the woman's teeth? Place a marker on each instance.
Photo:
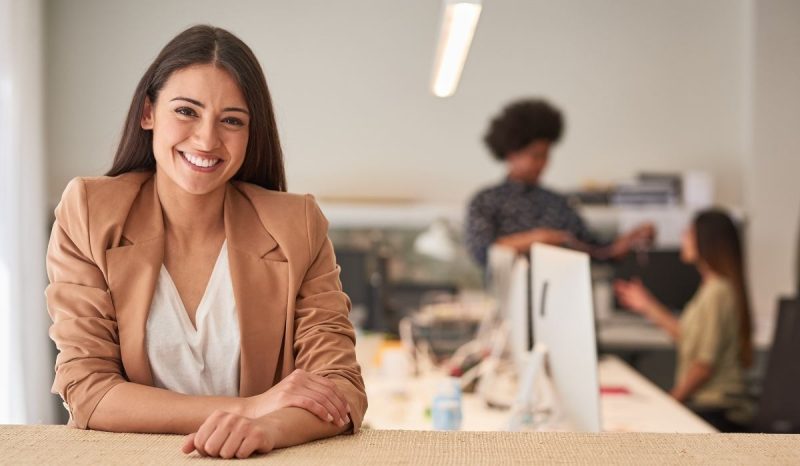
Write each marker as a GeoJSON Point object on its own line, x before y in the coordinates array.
{"type": "Point", "coordinates": [200, 161]}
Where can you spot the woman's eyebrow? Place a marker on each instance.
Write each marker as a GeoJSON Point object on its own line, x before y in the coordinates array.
{"type": "Point", "coordinates": [200, 104]}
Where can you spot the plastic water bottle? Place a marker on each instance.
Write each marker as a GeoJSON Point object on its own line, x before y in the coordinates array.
{"type": "Point", "coordinates": [446, 408]}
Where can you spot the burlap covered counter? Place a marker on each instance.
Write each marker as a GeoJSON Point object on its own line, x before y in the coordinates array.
{"type": "Point", "coordinates": [61, 445]}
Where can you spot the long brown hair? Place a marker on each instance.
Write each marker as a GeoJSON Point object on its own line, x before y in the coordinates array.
{"type": "Point", "coordinates": [263, 162]}
{"type": "Point", "coordinates": [719, 245]}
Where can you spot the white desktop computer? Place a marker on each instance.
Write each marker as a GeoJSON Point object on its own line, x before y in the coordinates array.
{"type": "Point", "coordinates": [510, 327]}
{"type": "Point", "coordinates": [518, 314]}
{"type": "Point", "coordinates": [564, 336]}
{"type": "Point", "coordinates": [499, 265]}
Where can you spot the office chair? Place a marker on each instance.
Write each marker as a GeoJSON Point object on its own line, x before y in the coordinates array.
{"type": "Point", "coordinates": [779, 406]}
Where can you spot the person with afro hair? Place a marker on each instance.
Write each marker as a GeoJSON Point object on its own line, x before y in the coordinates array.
{"type": "Point", "coordinates": [519, 212]}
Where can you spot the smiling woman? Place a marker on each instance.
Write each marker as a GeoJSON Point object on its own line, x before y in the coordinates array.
{"type": "Point", "coordinates": [189, 293]}
{"type": "Point", "coordinates": [232, 71]}
{"type": "Point", "coordinates": [205, 133]}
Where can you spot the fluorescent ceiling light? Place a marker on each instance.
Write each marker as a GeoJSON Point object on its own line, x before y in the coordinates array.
{"type": "Point", "coordinates": [455, 36]}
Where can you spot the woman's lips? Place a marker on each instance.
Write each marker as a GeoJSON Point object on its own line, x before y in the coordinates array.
{"type": "Point", "coordinates": [201, 164]}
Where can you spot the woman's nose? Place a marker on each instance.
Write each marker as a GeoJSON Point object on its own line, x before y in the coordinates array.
{"type": "Point", "coordinates": [206, 137]}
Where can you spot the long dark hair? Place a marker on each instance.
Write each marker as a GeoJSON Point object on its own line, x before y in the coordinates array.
{"type": "Point", "coordinates": [263, 162]}
{"type": "Point", "coordinates": [719, 245]}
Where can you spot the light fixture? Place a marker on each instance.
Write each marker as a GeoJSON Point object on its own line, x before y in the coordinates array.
{"type": "Point", "coordinates": [459, 20]}
{"type": "Point", "coordinates": [436, 242]}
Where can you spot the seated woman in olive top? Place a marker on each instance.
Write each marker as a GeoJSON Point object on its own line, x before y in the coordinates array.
{"type": "Point", "coordinates": [713, 334]}
{"type": "Point", "coordinates": [189, 293]}
{"type": "Point", "coordinates": [519, 211]}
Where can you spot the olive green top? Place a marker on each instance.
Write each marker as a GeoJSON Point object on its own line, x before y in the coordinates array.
{"type": "Point", "coordinates": [709, 333]}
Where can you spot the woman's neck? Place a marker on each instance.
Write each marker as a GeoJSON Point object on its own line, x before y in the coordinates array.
{"type": "Point", "coordinates": [191, 218]}
{"type": "Point", "coordinates": [706, 273]}
{"type": "Point", "coordinates": [522, 178]}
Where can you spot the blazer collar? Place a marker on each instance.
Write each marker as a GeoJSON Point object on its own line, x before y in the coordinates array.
{"type": "Point", "coordinates": [243, 228]}
{"type": "Point", "coordinates": [259, 273]}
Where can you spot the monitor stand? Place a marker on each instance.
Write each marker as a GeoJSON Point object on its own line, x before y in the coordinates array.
{"type": "Point", "coordinates": [535, 406]}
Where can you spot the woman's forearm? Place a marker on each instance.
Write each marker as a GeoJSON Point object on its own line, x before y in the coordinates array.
{"type": "Point", "coordinates": [662, 317]}
{"type": "Point", "coordinates": [131, 407]}
{"type": "Point", "coordinates": [520, 242]}
{"type": "Point", "coordinates": [295, 426]}
{"type": "Point", "coordinates": [695, 377]}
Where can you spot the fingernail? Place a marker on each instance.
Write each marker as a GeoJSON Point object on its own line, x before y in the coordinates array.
{"type": "Point", "coordinates": [347, 419]}
{"type": "Point", "coordinates": [330, 418]}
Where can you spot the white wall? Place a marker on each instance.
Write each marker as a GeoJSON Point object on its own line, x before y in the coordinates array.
{"type": "Point", "coordinates": [646, 85]}
{"type": "Point", "coordinates": [26, 370]}
{"type": "Point", "coordinates": [772, 171]}
{"type": "Point", "coordinates": [652, 85]}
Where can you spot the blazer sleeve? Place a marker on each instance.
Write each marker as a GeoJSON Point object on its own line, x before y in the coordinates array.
{"type": "Point", "coordinates": [84, 325]}
{"type": "Point", "coordinates": [324, 337]}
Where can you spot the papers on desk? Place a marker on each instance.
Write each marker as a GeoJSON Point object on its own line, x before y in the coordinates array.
{"type": "Point", "coordinates": [614, 390]}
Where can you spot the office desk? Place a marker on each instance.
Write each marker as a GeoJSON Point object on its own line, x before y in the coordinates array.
{"type": "Point", "coordinates": [621, 332]}
{"type": "Point", "coordinates": [44, 445]}
{"type": "Point", "coordinates": [646, 408]}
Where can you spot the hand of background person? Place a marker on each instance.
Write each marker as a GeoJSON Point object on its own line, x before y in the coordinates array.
{"type": "Point", "coordinates": [301, 389]}
{"type": "Point", "coordinates": [677, 395]}
{"type": "Point", "coordinates": [642, 236]}
{"type": "Point", "coordinates": [634, 296]}
{"type": "Point", "coordinates": [228, 435]}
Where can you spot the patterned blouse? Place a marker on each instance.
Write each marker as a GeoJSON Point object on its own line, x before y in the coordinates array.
{"type": "Point", "coordinates": [512, 207]}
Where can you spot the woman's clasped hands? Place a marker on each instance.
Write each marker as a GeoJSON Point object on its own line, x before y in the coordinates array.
{"type": "Point", "coordinates": [251, 430]}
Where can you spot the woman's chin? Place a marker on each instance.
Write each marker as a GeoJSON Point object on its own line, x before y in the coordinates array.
{"type": "Point", "coordinates": [200, 189]}
{"type": "Point", "coordinates": [199, 184]}
{"type": "Point", "coordinates": [197, 187]}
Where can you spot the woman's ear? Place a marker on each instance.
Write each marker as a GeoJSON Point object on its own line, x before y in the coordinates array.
{"type": "Point", "coordinates": [147, 114]}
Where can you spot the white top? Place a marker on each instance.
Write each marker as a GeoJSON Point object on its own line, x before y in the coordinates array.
{"type": "Point", "coordinates": [201, 361]}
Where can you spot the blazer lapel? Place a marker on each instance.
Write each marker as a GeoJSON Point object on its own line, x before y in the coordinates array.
{"type": "Point", "coordinates": [260, 277]}
{"type": "Point", "coordinates": [133, 270]}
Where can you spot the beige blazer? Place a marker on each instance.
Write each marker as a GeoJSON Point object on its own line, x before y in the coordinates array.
{"type": "Point", "coordinates": [104, 257]}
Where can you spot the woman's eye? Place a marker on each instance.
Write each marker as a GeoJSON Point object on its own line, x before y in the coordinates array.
{"type": "Point", "coordinates": [233, 121]}
{"type": "Point", "coordinates": [186, 111]}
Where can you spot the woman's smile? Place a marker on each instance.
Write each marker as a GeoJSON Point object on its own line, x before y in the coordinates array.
{"type": "Point", "coordinates": [201, 163]}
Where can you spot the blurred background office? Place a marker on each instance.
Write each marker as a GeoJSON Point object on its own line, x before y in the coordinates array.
{"type": "Point", "coordinates": [700, 93]}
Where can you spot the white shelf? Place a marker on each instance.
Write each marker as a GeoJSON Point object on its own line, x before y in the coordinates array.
{"type": "Point", "coordinates": [418, 215]}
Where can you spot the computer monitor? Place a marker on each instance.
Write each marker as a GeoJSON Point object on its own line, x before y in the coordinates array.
{"type": "Point", "coordinates": [662, 271]}
{"type": "Point", "coordinates": [518, 313]}
{"type": "Point", "coordinates": [500, 261]}
{"type": "Point", "coordinates": [563, 323]}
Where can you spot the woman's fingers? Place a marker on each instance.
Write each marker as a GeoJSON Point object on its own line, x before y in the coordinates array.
{"type": "Point", "coordinates": [633, 295]}
{"type": "Point", "coordinates": [217, 439]}
{"type": "Point", "coordinates": [322, 391]}
{"type": "Point", "coordinates": [624, 293]}
{"type": "Point", "coordinates": [232, 443]}
{"type": "Point", "coordinates": [313, 403]}
{"type": "Point", "coordinates": [339, 399]}
{"type": "Point", "coordinates": [206, 430]}
{"type": "Point", "coordinates": [248, 446]}
{"type": "Point", "coordinates": [332, 399]}
{"type": "Point", "coordinates": [318, 395]}
{"type": "Point", "coordinates": [188, 444]}
{"type": "Point", "coordinates": [228, 435]}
